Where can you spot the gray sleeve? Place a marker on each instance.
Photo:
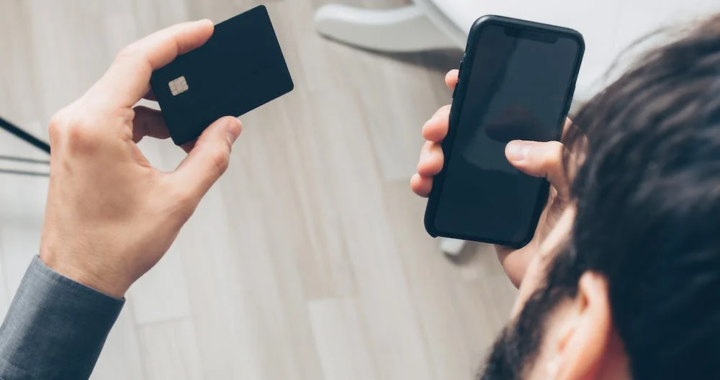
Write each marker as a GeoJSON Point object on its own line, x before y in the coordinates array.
{"type": "Point", "coordinates": [55, 327]}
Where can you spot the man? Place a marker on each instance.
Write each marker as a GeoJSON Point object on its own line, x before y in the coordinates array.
{"type": "Point", "coordinates": [621, 280]}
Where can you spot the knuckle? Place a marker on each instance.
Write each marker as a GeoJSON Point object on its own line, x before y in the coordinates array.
{"type": "Point", "coordinates": [220, 159]}
{"type": "Point", "coordinates": [79, 127]}
{"type": "Point", "coordinates": [57, 121]}
{"type": "Point", "coordinates": [129, 51]}
{"type": "Point", "coordinates": [133, 56]}
{"type": "Point", "coordinates": [81, 135]}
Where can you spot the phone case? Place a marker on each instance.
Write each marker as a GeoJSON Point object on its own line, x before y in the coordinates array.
{"type": "Point", "coordinates": [458, 100]}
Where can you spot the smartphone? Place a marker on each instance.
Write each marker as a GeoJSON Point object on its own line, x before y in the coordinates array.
{"type": "Point", "coordinates": [516, 82]}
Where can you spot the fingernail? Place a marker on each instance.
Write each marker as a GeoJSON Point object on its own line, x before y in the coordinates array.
{"type": "Point", "coordinates": [233, 130]}
{"type": "Point", "coordinates": [518, 150]}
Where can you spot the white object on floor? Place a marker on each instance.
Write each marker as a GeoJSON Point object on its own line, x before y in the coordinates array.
{"type": "Point", "coordinates": [452, 247]}
{"type": "Point", "coordinates": [609, 26]}
{"type": "Point", "coordinates": [405, 29]}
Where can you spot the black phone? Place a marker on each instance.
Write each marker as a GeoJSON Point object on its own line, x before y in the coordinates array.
{"type": "Point", "coordinates": [517, 80]}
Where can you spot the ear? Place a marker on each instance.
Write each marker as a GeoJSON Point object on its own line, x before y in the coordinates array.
{"type": "Point", "coordinates": [586, 333]}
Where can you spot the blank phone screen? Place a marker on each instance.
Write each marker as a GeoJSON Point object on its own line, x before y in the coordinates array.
{"type": "Point", "coordinates": [517, 90]}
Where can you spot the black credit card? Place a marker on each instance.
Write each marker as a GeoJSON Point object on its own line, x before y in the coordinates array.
{"type": "Point", "coordinates": [240, 68]}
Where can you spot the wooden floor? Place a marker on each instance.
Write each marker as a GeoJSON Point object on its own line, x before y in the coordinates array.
{"type": "Point", "coordinates": [308, 260]}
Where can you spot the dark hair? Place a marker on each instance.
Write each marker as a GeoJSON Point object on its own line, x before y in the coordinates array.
{"type": "Point", "coordinates": [648, 207]}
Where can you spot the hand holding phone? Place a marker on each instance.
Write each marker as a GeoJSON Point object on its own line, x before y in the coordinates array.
{"type": "Point", "coordinates": [544, 159]}
{"type": "Point", "coordinates": [516, 82]}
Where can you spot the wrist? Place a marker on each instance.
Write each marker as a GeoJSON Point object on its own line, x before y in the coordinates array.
{"type": "Point", "coordinates": [86, 275]}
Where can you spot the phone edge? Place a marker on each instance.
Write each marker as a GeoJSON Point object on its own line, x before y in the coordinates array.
{"type": "Point", "coordinates": [459, 97]}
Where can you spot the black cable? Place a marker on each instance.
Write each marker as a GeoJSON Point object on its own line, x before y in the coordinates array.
{"type": "Point", "coordinates": [20, 172]}
{"type": "Point", "coordinates": [30, 139]}
{"type": "Point", "coordinates": [24, 160]}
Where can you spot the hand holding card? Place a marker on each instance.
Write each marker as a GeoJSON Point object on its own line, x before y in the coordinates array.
{"type": "Point", "coordinates": [128, 212]}
{"type": "Point", "coordinates": [240, 68]}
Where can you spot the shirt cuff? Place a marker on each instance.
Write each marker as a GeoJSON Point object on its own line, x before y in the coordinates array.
{"type": "Point", "coordinates": [55, 327]}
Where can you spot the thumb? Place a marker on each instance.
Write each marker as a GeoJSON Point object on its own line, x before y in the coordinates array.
{"type": "Point", "coordinates": [209, 158]}
{"type": "Point", "coordinates": [540, 159]}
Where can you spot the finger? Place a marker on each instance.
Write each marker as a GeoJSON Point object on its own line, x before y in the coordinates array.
{"type": "Point", "coordinates": [127, 80]}
{"type": "Point", "coordinates": [149, 122]}
{"type": "Point", "coordinates": [421, 185]}
{"type": "Point", "coordinates": [431, 160]}
{"type": "Point", "coordinates": [209, 158]}
{"type": "Point", "coordinates": [437, 127]}
{"type": "Point", "coordinates": [540, 159]}
{"type": "Point", "coordinates": [568, 125]}
{"type": "Point", "coordinates": [451, 79]}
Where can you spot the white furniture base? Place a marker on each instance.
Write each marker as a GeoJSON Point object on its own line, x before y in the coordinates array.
{"type": "Point", "coordinates": [407, 29]}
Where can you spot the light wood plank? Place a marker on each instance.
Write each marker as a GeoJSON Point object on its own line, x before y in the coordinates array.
{"type": "Point", "coordinates": [5, 298]}
{"type": "Point", "coordinates": [17, 70]}
{"type": "Point", "coordinates": [169, 351]}
{"type": "Point", "coordinates": [341, 340]}
{"type": "Point", "coordinates": [22, 201]}
{"type": "Point", "coordinates": [19, 246]}
{"type": "Point", "coordinates": [161, 295]}
{"type": "Point", "coordinates": [299, 195]}
{"type": "Point", "coordinates": [120, 360]}
{"type": "Point", "coordinates": [225, 335]}
{"type": "Point", "coordinates": [67, 50]}
{"type": "Point", "coordinates": [151, 16]}
{"type": "Point", "coordinates": [435, 286]}
{"type": "Point", "coordinates": [389, 87]}
{"type": "Point", "coordinates": [257, 310]}
{"type": "Point", "coordinates": [382, 289]}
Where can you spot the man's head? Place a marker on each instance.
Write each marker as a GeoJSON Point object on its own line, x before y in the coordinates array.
{"type": "Point", "coordinates": [628, 284]}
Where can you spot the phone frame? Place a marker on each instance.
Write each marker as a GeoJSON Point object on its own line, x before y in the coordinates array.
{"type": "Point", "coordinates": [536, 29]}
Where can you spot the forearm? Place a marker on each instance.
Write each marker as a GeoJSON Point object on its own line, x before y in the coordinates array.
{"type": "Point", "coordinates": [55, 327]}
